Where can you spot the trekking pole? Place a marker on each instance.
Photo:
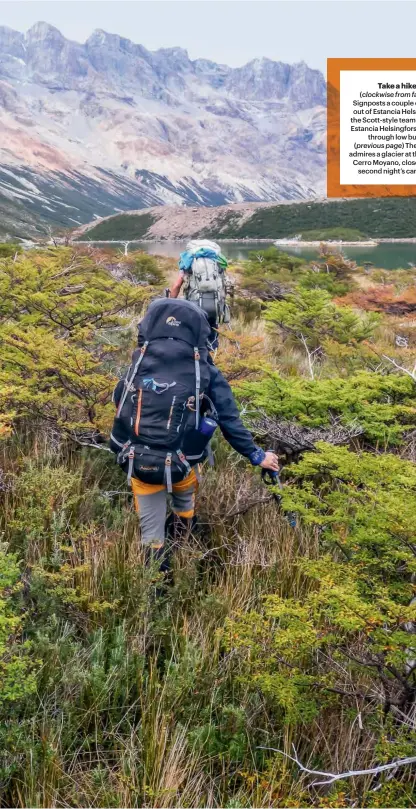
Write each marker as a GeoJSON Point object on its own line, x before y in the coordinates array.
{"type": "Point", "coordinates": [272, 478]}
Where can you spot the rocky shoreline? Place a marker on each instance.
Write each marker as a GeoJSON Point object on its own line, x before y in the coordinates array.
{"type": "Point", "coordinates": [275, 242]}
{"type": "Point", "coordinates": [301, 243]}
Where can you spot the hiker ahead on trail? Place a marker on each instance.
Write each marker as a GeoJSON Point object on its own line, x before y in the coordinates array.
{"type": "Point", "coordinates": [202, 273]}
{"type": "Point", "coordinates": [168, 406]}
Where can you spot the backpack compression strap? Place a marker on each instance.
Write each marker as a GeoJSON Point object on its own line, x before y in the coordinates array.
{"type": "Point", "coordinates": [130, 466]}
{"type": "Point", "coordinates": [168, 472]}
{"type": "Point", "coordinates": [127, 382]}
{"type": "Point", "coordinates": [197, 385]}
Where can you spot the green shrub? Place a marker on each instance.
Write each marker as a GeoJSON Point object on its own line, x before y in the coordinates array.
{"type": "Point", "coordinates": [144, 269]}
{"type": "Point", "coordinates": [353, 617]}
{"type": "Point", "coordinates": [382, 406]}
{"type": "Point", "coordinates": [17, 669]}
{"type": "Point", "coordinates": [56, 366]}
{"type": "Point", "coordinates": [8, 249]}
{"type": "Point", "coordinates": [309, 315]}
{"type": "Point", "coordinates": [327, 281]}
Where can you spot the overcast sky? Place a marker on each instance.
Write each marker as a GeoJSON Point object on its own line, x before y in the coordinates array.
{"type": "Point", "coordinates": [235, 31]}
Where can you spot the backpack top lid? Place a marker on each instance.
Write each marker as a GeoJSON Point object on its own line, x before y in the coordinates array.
{"type": "Point", "coordinates": [202, 244]}
{"type": "Point", "coordinates": [177, 318]}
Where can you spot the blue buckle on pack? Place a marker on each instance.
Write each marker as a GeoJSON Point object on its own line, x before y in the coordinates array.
{"type": "Point", "coordinates": [157, 387]}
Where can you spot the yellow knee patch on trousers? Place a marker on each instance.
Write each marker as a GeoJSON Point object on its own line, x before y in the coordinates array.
{"type": "Point", "coordinates": [186, 514]}
{"type": "Point", "coordinates": [190, 482]}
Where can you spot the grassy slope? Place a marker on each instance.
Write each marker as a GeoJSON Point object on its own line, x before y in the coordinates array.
{"type": "Point", "coordinates": [60, 201]}
{"type": "Point", "coordinates": [18, 220]}
{"type": "Point", "coordinates": [121, 227]}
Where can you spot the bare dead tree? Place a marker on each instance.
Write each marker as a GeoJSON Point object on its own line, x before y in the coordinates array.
{"type": "Point", "coordinates": [292, 438]}
{"type": "Point", "coordinates": [311, 355]}
{"type": "Point", "coordinates": [331, 777]}
{"type": "Point", "coordinates": [401, 368]}
{"type": "Point", "coordinates": [126, 247]}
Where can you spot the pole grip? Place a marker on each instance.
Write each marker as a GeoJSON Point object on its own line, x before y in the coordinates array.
{"type": "Point", "coordinates": [270, 477]}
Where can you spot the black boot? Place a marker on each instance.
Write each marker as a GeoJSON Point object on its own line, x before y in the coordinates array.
{"type": "Point", "coordinates": [169, 530]}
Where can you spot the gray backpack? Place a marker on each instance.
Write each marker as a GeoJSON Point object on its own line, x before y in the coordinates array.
{"type": "Point", "coordinates": [206, 286]}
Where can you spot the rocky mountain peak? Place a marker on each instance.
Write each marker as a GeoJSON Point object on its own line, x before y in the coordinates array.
{"type": "Point", "coordinates": [163, 126]}
{"type": "Point", "coordinates": [9, 35]}
{"type": "Point", "coordinates": [113, 62]}
{"type": "Point", "coordinates": [11, 47]}
{"type": "Point", "coordinates": [100, 39]}
{"type": "Point", "coordinates": [43, 32]}
{"type": "Point", "coordinates": [175, 56]}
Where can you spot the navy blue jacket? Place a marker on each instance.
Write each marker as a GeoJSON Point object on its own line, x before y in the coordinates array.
{"type": "Point", "coordinates": [229, 419]}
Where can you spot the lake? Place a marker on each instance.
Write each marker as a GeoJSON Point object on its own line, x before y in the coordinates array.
{"type": "Point", "coordinates": [387, 256]}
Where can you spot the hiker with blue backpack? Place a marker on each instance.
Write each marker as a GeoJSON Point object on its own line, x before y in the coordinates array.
{"type": "Point", "coordinates": [169, 404]}
{"type": "Point", "coordinates": [203, 276]}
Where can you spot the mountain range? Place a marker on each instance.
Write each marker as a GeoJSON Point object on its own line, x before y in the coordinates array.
{"type": "Point", "coordinates": [105, 126]}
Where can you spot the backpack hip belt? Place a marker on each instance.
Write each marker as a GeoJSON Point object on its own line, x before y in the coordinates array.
{"type": "Point", "coordinates": [128, 453]}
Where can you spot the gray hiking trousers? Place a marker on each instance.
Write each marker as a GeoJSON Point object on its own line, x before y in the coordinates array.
{"type": "Point", "coordinates": [150, 502]}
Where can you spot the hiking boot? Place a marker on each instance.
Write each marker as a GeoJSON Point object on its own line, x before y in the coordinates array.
{"type": "Point", "coordinates": [169, 530]}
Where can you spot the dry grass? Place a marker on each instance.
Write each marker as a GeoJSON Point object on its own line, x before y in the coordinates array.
{"type": "Point", "coordinates": [122, 733]}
